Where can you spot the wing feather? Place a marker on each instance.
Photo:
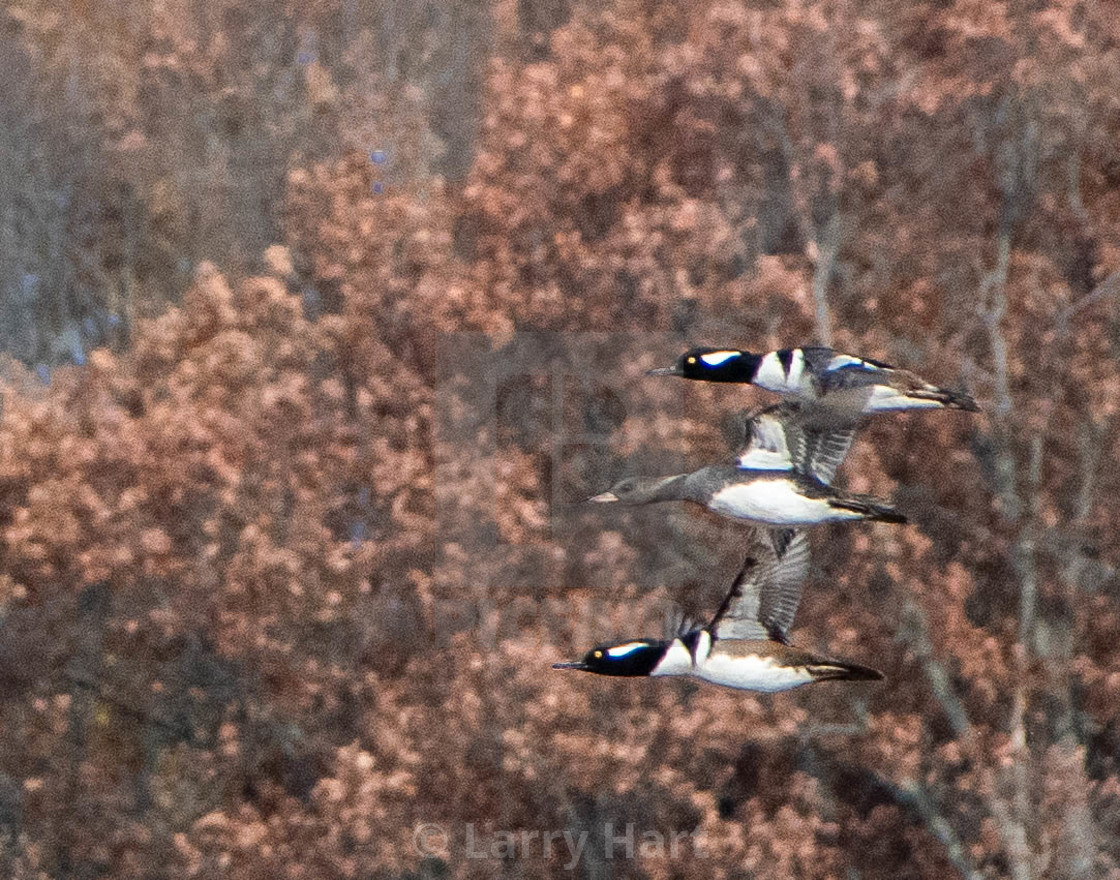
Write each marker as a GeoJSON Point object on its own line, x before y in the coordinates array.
{"type": "Point", "coordinates": [781, 587]}
{"type": "Point", "coordinates": [763, 600]}
{"type": "Point", "coordinates": [818, 450]}
{"type": "Point", "coordinates": [766, 445]}
{"type": "Point", "coordinates": [787, 436]}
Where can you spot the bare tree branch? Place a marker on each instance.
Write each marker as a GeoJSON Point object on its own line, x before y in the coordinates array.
{"type": "Point", "coordinates": [828, 247]}
{"type": "Point", "coordinates": [917, 797]}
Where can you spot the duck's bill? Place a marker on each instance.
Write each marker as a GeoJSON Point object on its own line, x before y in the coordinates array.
{"type": "Point", "coordinates": [574, 664]}
{"type": "Point", "coordinates": [603, 497]}
{"type": "Point", "coordinates": [665, 371]}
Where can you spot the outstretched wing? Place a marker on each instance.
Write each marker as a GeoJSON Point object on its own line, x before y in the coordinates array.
{"type": "Point", "coordinates": [765, 444]}
{"type": "Point", "coordinates": [763, 600]}
{"type": "Point", "coordinates": [676, 622]}
{"type": "Point", "coordinates": [818, 441]}
{"type": "Point", "coordinates": [788, 436]}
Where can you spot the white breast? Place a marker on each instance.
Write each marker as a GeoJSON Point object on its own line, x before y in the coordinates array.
{"type": "Point", "coordinates": [677, 660]}
{"type": "Point", "coordinates": [770, 374]}
{"type": "Point", "coordinates": [773, 376]}
{"type": "Point", "coordinates": [752, 673]}
{"type": "Point", "coordinates": [775, 502]}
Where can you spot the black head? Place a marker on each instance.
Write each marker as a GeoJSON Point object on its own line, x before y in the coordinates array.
{"type": "Point", "coordinates": [637, 657]}
{"type": "Point", "coordinates": [713, 365]}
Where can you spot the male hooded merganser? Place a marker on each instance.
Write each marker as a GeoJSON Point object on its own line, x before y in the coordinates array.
{"type": "Point", "coordinates": [745, 645]}
{"type": "Point", "coordinates": [818, 374]}
{"type": "Point", "coordinates": [770, 497]}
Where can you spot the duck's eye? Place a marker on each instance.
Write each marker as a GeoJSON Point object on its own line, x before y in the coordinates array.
{"type": "Point", "coordinates": [691, 359]}
{"type": "Point", "coordinates": [598, 655]}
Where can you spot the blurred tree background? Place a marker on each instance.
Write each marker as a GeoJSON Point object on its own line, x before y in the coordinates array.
{"type": "Point", "coordinates": [318, 318]}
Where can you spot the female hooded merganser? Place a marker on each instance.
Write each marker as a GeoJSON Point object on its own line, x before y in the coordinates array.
{"type": "Point", "coordinates": [770, 497]}
{"type": "Point", "coordinates": [820, 375]}
{"type": "Point", "coordinates": [779, 479]}
{"type": "Point", "coordinates": [745, 645]}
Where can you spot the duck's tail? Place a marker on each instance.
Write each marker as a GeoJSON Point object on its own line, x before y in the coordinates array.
{"type": "Point", "coordinates": [834, 670]}
{"type": "Point", "coordinates": [869, 508]}
{"type": "Point", "coordinates": [944, 397]}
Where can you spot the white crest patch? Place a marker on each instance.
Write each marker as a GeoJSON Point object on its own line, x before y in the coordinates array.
{"type": "Point", "coordinates": [715, 358]}
{"type": "Point", "coordinates": [623, 650]}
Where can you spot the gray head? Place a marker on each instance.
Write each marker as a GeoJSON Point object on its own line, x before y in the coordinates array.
{"type": "Point", "coordinates": [642, 490]}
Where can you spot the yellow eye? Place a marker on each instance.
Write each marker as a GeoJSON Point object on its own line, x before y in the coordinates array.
{"type": "Point", "coordinates": [598, 654]}
{"type": "Point", "coordinates": [692, 360]}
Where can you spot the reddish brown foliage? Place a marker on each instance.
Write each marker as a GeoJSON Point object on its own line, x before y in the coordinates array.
{"type": "Point", "coordinates": [281, 578]}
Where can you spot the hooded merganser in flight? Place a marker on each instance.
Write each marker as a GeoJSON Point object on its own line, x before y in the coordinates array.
{"type": "Point", "coordinates": [768, 496]}
{"type": "Point", "coordinates": [745, 645]}
{"type": "Point", "coordinates": [780, 477]}
{"type": "Point", "coordinates": [820, 375]}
